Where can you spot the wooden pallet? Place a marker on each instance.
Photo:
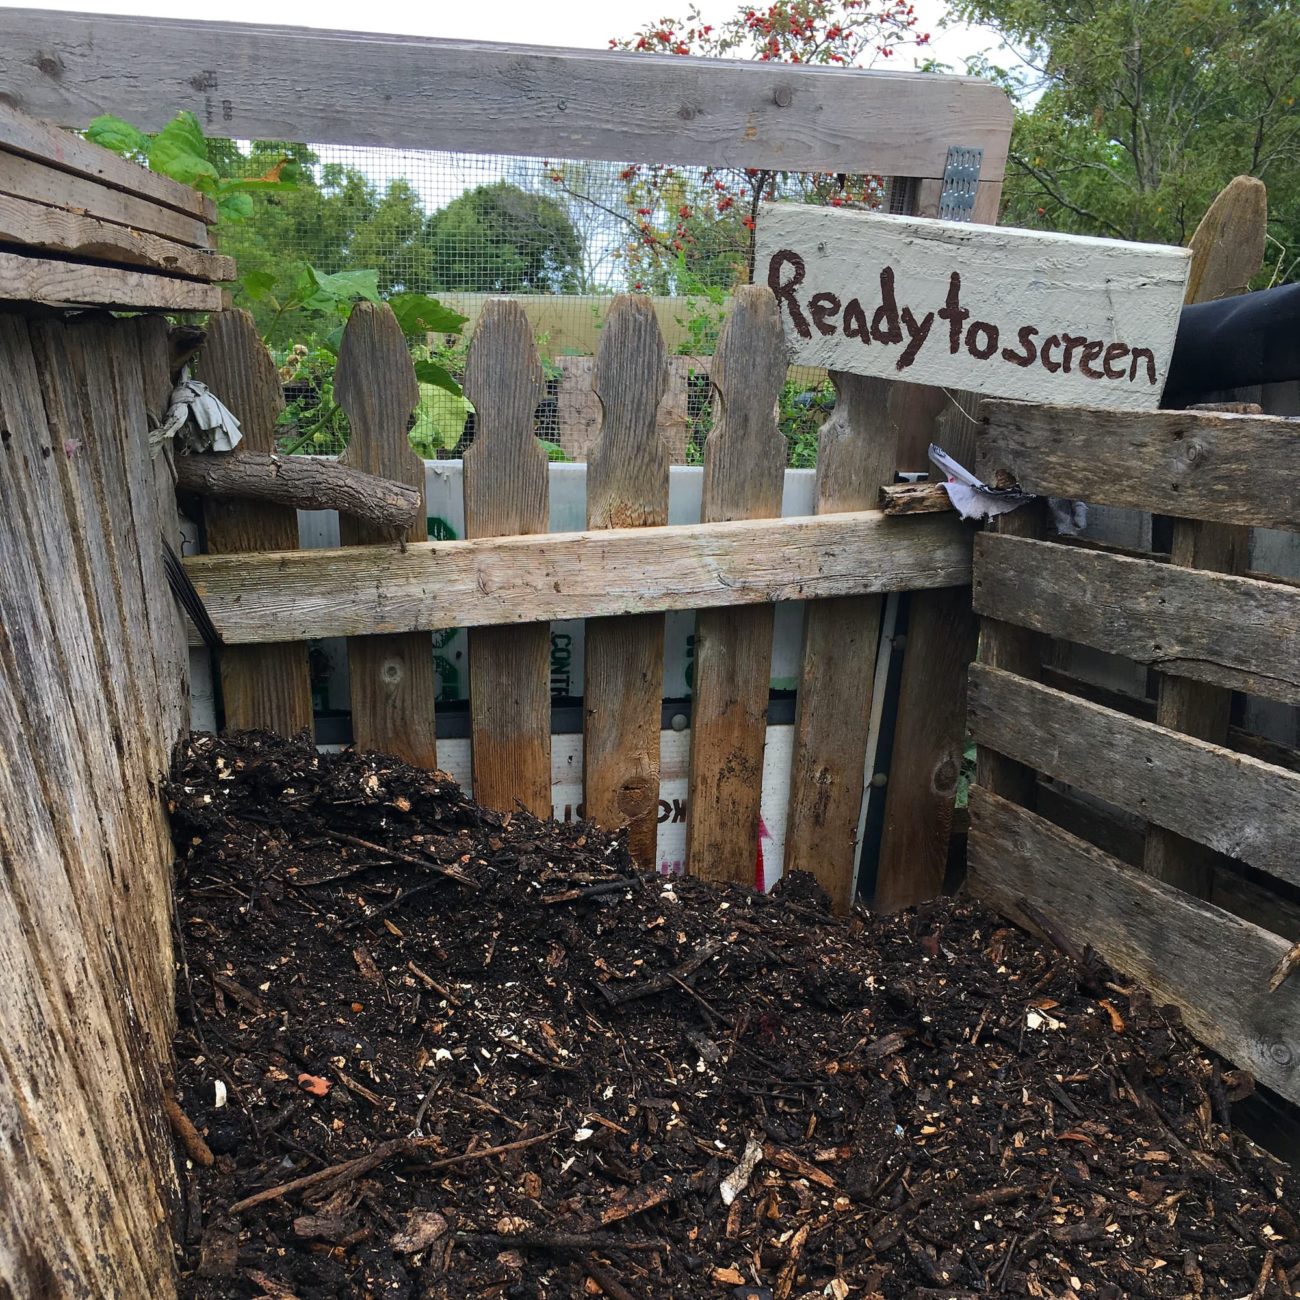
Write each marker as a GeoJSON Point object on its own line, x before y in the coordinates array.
{"type": "Point", "coordinates": [81, 227]}
{"type": "Point", "coordinates": [1194, 625]}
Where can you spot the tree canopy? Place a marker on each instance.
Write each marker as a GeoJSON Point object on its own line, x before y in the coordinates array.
{"type": "Point", "coordinates": [1134, 115]}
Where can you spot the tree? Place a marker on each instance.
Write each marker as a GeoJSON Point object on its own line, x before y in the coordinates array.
{"type": "Point", "coordinates": [1134, 115]}
{"type": "Point", "coordinates": [699, 229]}
{"type": "Point", "coordinates": [500, 239]}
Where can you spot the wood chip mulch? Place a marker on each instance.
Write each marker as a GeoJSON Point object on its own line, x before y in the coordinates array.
{"type": "Point", "coordinates": [427, 1050]}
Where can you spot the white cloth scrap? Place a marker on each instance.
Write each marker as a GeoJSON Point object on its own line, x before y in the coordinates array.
{"type": "Point", "coordinates": [971, 498]}
{"type": "Point", "coordinates": [200, 421]}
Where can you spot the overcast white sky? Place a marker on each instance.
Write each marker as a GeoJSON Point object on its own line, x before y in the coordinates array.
{"type": "Point", "coordinates": [576, 23]}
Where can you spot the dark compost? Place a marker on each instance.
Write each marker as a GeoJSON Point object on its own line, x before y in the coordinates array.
{"type": "Point", "coordinates": [429, 1050]}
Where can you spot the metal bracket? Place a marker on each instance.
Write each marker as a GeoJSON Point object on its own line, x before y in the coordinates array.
{"type": "Point", "coordinates": [961, 174]}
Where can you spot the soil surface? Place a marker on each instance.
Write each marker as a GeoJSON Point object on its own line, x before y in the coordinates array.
{"type": "Point", "coordinates": [433, 1051]}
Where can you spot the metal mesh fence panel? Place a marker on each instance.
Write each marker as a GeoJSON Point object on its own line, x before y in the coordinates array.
{"type": "Point", "coordinates": [563, 236]}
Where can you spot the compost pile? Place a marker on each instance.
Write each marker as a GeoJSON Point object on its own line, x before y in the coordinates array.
{"type": "Point", "coordinates": [430, 1050]}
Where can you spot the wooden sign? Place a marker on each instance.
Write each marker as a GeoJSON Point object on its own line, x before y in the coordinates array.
{"type": "Point", "coordinates": [1042, 317]}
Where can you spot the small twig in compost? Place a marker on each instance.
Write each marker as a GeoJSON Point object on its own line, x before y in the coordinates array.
{"type": "Point", "coordinates": [350, 1170]}
{"type": "Point", "coordinates": [188, 1136]}
{"type": "Point", "coordinates": [591, 891]}
{"type": "Point", "coordinates": [659, 983]}
{"type": "Point", "coordinates": [608, 1283]}
{"type": "Point", "coordinates": [452, 873]}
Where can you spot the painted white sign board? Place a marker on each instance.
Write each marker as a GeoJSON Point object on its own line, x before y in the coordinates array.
{"type": "Point", "coordinates": [1023, 314]}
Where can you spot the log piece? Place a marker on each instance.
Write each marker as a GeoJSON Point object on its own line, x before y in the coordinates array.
{"type": "Point", "coordinates": [300, 481]}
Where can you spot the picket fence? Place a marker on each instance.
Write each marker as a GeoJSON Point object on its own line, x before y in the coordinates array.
{"type": "Point", "coordinates": [387, 597]}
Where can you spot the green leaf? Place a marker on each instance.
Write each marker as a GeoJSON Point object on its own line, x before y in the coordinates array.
{"type": "Point", "coordinates": [417, 313]}
{"type": "Point", "coordinates": [553, 450]}
{"type": "Point", "coordinates": [439, 421]}
{"type": "Point", "coordinates": [180, 151]}
{"type": "Point", "coordinates": [338, 290]}
{"type": "Point", "coordinates": [233, 207]}
{"type": "Point", "coordinates": [120, 136]}
{"type": "Point", "coordinates": [430, 372]}
{"type": "Point", "coordinates": [258, 284]}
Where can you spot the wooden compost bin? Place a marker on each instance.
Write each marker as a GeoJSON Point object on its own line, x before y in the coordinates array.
{"type": "Point", "coordinates": [93, 698]}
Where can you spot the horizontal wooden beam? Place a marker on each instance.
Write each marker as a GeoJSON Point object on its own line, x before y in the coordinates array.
{"type": "Point", "coordinates": [1210, 964]}
{"type": "Point", "coordinates": [1236, 469]}
{"type": "Point", "coordinates": [260, 82]}
{"type": "Point", "coordinates": [1241, 633]}
{"type": "Point", "coordinates": [53, 230]}
{"type": "Point", "coordinates": [26, 178]}
{"type": "Point", "coordinates": [20, 133]}
{"type": "Point", "coordinates": [363, 590]}
{"type": "Point", "coordinates": [72, 284]}
{"type": "Point", "coordinates": [1234, 804]}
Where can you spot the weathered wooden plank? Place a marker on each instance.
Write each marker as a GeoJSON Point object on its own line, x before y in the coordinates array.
{"type": "Point", "coordinates": [1240, 633]}
{"type": "Point", "coordinates": [1237, 469]}
{"type": "Point", "coordinates": [262, 82]}
{"type": "Point", "coordinates": [929, 736]}
{"type": "Point", "coordinates": [1228, 245]}
{"type": "Point", "coordinates": [493, 582]}
{"type": "Point", "coordinates": [392, 681]}
{"type": "Point", "coordinates": [262, 686]}
{"type": "Point", "coordinates": [627, 487]}
{"type": "Point", "coordinates": [26, 178]}
{"type": "Point", "coordinates": [73, 284]}
{"type": "Point", "coordinates": [914, 498]}
{"type": "Point", "coordinates": [856, 453]}
{"type": "Point", "coordinates": [1011, 313]}
{"type": "Point", "coordinates": [1233, 804]}
{"type": "Point", "coordinates": [505, 494]}
{"type": "Point", "coordinates": [22, 134]}
{"type": "Point", "coordinates": [72, 234]}
{"type": "Point", "coordinates": [74, 929]}
{"type": "Point", "coordinates": [1149, 931]}
{"type": "Point", "coordinates": [744, 471]}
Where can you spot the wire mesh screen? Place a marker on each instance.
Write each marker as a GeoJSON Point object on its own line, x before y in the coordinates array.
{"type": "Point", "coordinates": [563, 236]}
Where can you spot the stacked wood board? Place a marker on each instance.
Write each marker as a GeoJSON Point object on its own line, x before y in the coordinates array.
{"type": "Point", "coordinates": [82, 227]}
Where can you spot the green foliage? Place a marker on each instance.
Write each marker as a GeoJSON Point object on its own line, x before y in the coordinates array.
{"type": "Point", "coordinates": [501, 239]}
{"type": "Point", "coordinates": [181, 150]}
{"type": "Point", "coordinates": [1134, 116]}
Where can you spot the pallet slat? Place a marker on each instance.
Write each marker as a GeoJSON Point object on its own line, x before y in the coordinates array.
{"type": "Point", "coordinates": [70, 284]}
{"type": "Point", "coordinates": [22, 134]}
{"type": "Point", "coordinates": [627, 486]}
{"type": "Point", "coordinates": [856, 452]}
{"type": "Point", "coordinates": [1148, 930]}
{"type": "Point", "coordinates": [28, 178]}
{"type": "Point", "coordinates": [266, 687]}
{"type": "Point", "coordinates": [391, 677]}
{"type": "Point", "coordinates": [505, 493]}
{"type": "Point", "coordinates": [1240, 633]}
{"type": "Point", "coordinates": [744, 473]}
{"type": "Point", "coordinates": [493, 582]}
{"type": "Point", "coordinates": [1234, 804]}
{"type": "Point", "coordinates": [71, 234]}
{"type": "Point", "coordinates": [1234, 469]}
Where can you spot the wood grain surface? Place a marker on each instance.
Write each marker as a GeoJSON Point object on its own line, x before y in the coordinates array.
{"type": "Point", "coordinates": [744, 471]}
{"type": "Point", "coordinates": [506, 493]}
{"type": "Point", "coordinates": [857, 452]}
{"type": "Point", "coordinates": [262, 686]}
{"type": "Point", "coordinates": [627, 487]}
{"type": "Point", "coordinates": [393, 687]}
